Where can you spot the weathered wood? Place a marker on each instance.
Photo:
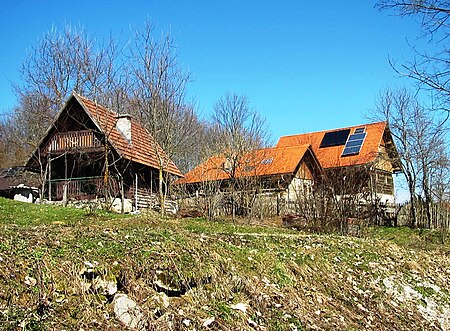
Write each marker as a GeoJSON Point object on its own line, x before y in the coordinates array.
{"type": "Point", "coordinates": [73, 140]}
{"type": "Point", "coordinates": [145, 199]}
{"type": "Point", "coordinates": [439, 215]}
{"type": "Point", "coordinates": [83, 188]}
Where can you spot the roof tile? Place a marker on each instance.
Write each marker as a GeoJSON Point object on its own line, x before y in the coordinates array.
{"type": "Point", "coordinates": [261, 162]}
{"type": "Point", "coordinates": [331, 157]}
{"type": "Point", "coordinates": [143, 148]}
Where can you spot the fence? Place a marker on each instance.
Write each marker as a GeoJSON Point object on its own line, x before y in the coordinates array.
{"type": "Point", "coordinates": [440, 214]}
{"type": "Point", "coordinates": [83, 188]}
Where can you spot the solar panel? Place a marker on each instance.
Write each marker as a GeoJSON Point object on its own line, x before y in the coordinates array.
{"type": "Point", "coordinates": [359, 130]}
{"type": "Point", "coordinates": [335, 138]}
{"type": "Point", "coordinates": [354, 144]}
{"type": "Point", "coordinates": [357, 136]}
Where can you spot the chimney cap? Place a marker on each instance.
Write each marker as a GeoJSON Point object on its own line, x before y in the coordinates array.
{"type": "Point", "coordinates": [124, 115]}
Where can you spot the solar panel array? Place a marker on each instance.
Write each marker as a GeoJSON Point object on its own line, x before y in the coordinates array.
{"type": "Point", "coordinates": [354, 142]}
{"type": "Point", "coordinates": [335, 138]}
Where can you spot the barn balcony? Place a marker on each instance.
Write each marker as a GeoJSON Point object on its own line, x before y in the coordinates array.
{"type": "Point", "coordinates": [74, 140]}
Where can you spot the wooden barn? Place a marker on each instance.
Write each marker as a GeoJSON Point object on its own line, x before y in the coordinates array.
{"type": "Point", "coordinates": [311, 174]}
{"type": "Point", "coordinates": [269, 177]}
{"type": "Point", "coordinates": [90, 151]}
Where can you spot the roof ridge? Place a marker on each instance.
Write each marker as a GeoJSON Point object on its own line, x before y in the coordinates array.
{"type": "Point", "coordinates": [335, 129]}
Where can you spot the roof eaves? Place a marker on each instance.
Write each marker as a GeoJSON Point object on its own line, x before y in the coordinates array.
{"type": "Point", "coordinates": [398, 168]}
{"type": "Point", "coordinates": [47, 132]}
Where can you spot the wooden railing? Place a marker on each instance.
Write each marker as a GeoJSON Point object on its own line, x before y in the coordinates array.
{"type": "Point", "coordinates": [73, 140]}
{"type": "Point", "coordinates": [84, 188]}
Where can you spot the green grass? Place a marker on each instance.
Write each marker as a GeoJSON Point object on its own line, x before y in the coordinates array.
{"type": "Point", "coordinates": [411, 238]}
{"type": "Point", "coordinates": [23, 214]}
{"type": "Point", "coordinates": [287, 278]}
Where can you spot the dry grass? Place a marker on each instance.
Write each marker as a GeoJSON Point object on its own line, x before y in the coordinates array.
{"type": "Point", "coordinates": [287, 280]}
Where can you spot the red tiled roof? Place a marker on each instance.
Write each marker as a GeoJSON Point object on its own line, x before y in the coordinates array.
{"type": "Point", "coordinates": [262, 162]}
{"type": "Point", "coordinates": [143, 148]}
{"type": "Point", "coordinates": [331, 157]}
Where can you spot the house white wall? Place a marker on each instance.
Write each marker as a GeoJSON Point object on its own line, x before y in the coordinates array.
{"type": "Point", "coordinates": [25, 194]}
{"type": "Point", "coordinates": [298, 189]}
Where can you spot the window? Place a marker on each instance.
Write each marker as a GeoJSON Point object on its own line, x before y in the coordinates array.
{"type": "Point", "coordinates": [267, 161]}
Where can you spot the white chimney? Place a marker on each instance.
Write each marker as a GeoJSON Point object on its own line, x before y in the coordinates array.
{"type": "Point", "coordinates": [123, 124]}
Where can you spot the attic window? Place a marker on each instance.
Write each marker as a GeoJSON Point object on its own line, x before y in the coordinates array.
{"type": "Point", "coordinates": [335, 138]}
{"type": "Point", "coordinates": [267, 161]}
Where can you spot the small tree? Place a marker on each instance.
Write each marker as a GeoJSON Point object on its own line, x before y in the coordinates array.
{"type": "Point", "coordinates": [420, 138]}
{"type": "Point", "coordinates": [240, 130]}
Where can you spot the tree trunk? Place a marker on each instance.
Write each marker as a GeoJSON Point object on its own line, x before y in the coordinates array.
{"type": "Point", "coordinates": [122, 196]}
{"type": "Point", "coordinates": [412, 195]}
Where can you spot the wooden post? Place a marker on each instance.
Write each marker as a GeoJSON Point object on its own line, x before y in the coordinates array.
{"type": "Point", "coordinates": [278, 204]}
{"type": "Point", "coordinates": [106, 174]}
{"type": "Point", "coordinates": [65, 181]}
{"type": "Point", "coordinates": [49, 178]}
{"type": "Point", "coordinates": [136, 193]}
{"type": "Point", "coordinates": [161, 192]}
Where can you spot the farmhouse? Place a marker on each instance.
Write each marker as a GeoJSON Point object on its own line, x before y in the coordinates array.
{"type": "Point", "coordinates": [356, 160]}
{"type": "Point", "coordinates": [90, 151]}
{"type": "Point", "coordinates": [266, 177]}
{"type": "Point", "coordinates": [342, 169]}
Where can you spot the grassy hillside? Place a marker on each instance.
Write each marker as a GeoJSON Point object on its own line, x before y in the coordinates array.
{"type": "Point", "coordinates": [215, 275]}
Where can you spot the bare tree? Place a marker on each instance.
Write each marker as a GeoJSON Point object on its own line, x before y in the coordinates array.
{"type": "Point", "coordinates": [340, 198]}
{"type": "Point", "coordinates": [240, 130]}
{"type": "Point", "coordinates": [396, 109]}
{"type": "Point", "coordinates": [60, 63]}
{"type": "Point", "coordinates": [440, 190]}
{"type": "Point", "coordinates": [430, 69]}
{"type": "Point", "coordinates": [68, 61]}
{"type": "Point", "coordinates": [420, 138]}
{"type": "Point", "coordinates": [159, 90]}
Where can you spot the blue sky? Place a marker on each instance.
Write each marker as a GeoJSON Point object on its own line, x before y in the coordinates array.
{"type": "Point", "coordinates": [305, 65]}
